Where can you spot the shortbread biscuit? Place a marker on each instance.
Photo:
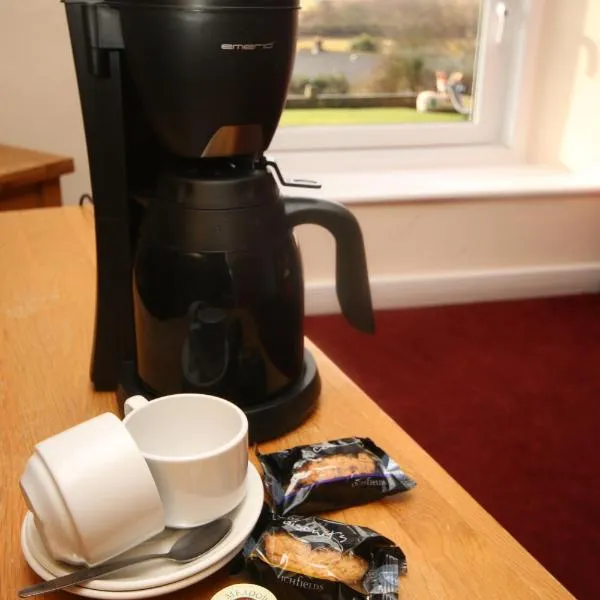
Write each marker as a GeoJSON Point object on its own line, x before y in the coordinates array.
{"type": "Point", "coordinates": [332, 467]}
{"type": "Point", "coordinates": [286, 552]}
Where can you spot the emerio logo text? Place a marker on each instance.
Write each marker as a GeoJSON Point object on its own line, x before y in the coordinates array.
{"type": "Point", "coordinates": [248, 47]}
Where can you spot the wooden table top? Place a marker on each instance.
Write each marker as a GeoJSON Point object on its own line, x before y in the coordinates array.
{"type": "Point", "coordinates": [19, 166]}
{"type": "Point", "coordinates": [455, 549]}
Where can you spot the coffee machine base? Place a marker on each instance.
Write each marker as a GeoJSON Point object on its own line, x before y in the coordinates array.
{"type": "Point", "coordinates": [267, 420]}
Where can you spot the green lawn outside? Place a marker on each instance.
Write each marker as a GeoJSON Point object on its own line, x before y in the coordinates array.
{"type": "Point", "coordinates": [362, 116]}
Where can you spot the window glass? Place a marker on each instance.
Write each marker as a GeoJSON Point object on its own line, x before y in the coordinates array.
{"type": "Point", "coordinates": [373, 62]}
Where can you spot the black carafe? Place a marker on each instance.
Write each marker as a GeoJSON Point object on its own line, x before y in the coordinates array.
{"type": "Point", "coordinates": [219, 292]}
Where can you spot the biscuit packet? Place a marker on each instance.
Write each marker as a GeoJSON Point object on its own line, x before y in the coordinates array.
{"type": "Point", "coordinates": [329, 476]}
{"type": "Point", "coordinates": [310, 558]}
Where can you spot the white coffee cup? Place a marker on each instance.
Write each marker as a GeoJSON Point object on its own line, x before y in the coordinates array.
{"type": "Point", "coordinates": [91, 492]}
{"type": "Point", "coordinates": [197, 449]}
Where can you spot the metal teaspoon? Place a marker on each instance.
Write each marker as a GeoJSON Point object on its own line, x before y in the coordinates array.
{"type": "Point", "coordinates": [189, 546]}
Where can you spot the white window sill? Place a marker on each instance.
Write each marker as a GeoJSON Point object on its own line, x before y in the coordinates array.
{"type": "Point", "coordinates": [452, 184]}
{"type": "Point", "coordinates": [356, 178]}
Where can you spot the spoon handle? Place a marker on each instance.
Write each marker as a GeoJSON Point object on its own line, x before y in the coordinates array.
{"type": "Point", "coordinates": [84, 575]}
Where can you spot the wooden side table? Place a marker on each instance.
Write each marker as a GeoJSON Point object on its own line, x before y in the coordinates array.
{"type": "Point", "coordinates": [30, 179]}
{"type": "Point", "coordinates": [455, 550]}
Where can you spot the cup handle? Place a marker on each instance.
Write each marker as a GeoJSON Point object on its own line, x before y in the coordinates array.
{"type": "Point", "coordinates": [134, 403]}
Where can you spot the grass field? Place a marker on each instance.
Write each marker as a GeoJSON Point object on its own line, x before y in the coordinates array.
{"type": "Point", "coordinates": [361, 116]}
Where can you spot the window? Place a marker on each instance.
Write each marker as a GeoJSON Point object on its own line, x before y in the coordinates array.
{"type": "Point", "coordinates": [363, 67]}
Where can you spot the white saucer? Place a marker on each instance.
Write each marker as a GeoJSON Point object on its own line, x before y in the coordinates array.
{"type": "Point", "coordinates": [155, 577]}
{"type": "Point", "coordinates": [136, 594]}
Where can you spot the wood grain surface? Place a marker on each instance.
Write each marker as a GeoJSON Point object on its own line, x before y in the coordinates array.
{"type": "Point", "coordinates": [30, 179]}
{"type": "Point", "coordinates": [22, 166]}
{"type": "Point", "coordinates": [455, 549]}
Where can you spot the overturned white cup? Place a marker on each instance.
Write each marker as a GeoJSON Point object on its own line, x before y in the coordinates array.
{"type": "Point", "coordinates": [91, 492]}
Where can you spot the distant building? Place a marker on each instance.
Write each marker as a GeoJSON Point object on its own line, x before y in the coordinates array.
{"type": "Point", "coordinates": [357, 68]}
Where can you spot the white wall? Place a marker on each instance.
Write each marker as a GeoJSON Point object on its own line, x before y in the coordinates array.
{"type": "Point", "coordinates": [438, 237]}
{"type": "Point", "coordinates": [475, 250]}
{"type": "Point", "coordinates": [39, 102]}
{"type": "Point", "coordinates": [566, 118]}
{"type": "Point", "coordinates": [468, 241]}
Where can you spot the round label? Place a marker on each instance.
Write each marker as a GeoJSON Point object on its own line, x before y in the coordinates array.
{"type": "Point", "coordinates": [244, 591]}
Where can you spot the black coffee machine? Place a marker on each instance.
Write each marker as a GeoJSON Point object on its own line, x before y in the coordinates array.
{"type": "Point", "coordinates": [200, 285]}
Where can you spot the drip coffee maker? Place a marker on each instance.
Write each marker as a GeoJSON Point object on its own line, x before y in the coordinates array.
{"type": "Point", "coordinates": [199, 277]}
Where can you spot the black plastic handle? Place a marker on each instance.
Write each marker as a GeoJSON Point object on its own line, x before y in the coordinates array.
{"type": "Point", "coordinates": [352, 278]}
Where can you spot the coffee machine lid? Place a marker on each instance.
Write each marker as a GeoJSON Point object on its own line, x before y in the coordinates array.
{"type": "Point", "coordinates": [208, 4]}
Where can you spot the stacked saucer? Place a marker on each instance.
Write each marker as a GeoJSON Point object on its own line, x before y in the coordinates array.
{"type": "Point", "coordinates": [157, 577]}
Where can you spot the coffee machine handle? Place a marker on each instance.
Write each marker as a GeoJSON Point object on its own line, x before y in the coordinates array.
{"type": "Point", "coordinates": [352, 279]}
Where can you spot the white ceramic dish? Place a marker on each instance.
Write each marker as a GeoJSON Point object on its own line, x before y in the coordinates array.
{"type": "Point", "coordinates": [155, 577]}
{"type": "Point", "coordinates": [136, 594]}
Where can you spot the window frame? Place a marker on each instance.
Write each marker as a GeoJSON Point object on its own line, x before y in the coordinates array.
{"type": "Point", "coordinates": [502, 98]}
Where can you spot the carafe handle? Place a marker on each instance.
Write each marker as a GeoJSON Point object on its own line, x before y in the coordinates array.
{"type": "Point", "coordinates": [352, 279]}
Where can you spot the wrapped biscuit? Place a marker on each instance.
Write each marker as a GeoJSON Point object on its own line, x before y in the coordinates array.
{"type": "Point", "coordinates": [309, 558]}
{"type": "Point", "coordinates": [330, 476]}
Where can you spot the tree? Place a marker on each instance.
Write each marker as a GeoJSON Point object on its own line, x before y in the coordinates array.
{"type": "Point", "coordinates": [364, 43]}
{"type": "Point", "coordinates": [321, 84]}
{"type": "Point", "coordinates": [400, 72]}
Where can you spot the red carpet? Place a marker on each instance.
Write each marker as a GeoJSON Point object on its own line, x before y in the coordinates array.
{"type": "Point", "coordinates": [506, 396]}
